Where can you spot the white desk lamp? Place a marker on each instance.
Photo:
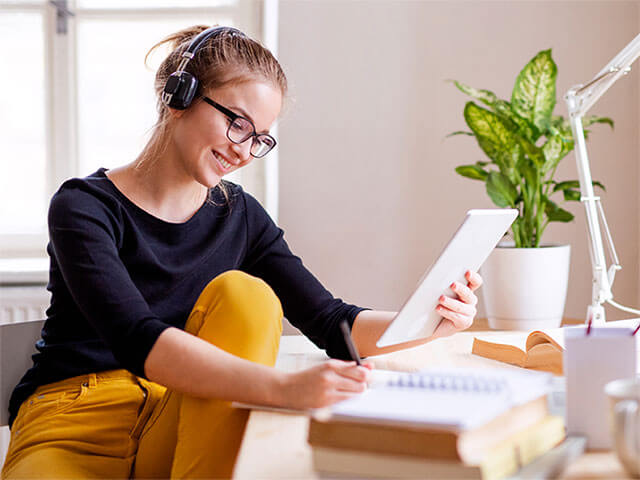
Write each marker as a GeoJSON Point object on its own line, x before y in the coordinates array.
{"type": "Point", "coordinates": [580, 99]}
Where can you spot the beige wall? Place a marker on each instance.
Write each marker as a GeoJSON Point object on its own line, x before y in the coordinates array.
{"type": "Point", "coordinates": [368, 195]}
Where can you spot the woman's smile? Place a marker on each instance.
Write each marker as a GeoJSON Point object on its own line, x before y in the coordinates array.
{"type": "Point", "coordinates": [224, 165]}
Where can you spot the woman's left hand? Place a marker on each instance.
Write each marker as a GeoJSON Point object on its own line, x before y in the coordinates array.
{"type": "Point", "coordinates": [458, 312]}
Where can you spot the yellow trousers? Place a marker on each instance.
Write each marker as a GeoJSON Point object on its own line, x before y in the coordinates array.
{"type": "Point", "coordinates": [116, 425]}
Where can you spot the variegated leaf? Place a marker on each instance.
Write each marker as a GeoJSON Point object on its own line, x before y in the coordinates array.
{"type": "Point", "coordinates": [534, 93]}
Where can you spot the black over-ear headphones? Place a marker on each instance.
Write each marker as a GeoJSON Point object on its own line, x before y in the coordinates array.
{"type": "Point", "coordinates": [181, 86]}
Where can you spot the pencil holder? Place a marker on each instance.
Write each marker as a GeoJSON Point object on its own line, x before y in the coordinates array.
{"type": "Point", "coordinates": [591, 360]}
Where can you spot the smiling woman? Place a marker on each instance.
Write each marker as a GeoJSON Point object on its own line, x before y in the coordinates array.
{"type": "Point", "coordinates": [169, 285]}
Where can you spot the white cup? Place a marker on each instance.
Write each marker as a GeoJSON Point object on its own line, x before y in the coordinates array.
{"type": "Point", "coordinates": [624, 416]}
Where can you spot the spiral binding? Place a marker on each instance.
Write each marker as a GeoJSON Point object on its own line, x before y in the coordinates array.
{"type": "Point", "coordinates": [464, 383]}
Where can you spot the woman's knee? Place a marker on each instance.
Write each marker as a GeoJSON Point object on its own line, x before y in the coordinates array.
{"type": "Point", "coordinates": [235, 299]}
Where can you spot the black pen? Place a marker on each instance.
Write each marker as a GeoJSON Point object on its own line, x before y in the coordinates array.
{"type": "Point", "coordinates": [353, 351]}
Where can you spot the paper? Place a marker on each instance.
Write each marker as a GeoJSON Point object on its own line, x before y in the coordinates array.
{"type": "Point", "coordinates": [456, 399]}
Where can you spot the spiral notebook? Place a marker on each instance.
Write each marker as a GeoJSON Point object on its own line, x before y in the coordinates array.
{"type": "Point", "coordinates": [455, 399]}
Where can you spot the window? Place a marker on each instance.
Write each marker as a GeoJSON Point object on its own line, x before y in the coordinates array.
{"type": "Point", "coordinates": [77, 95]}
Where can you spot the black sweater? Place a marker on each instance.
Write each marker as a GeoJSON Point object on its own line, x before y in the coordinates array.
{"type": "Point", "coordinates": [120, 276]}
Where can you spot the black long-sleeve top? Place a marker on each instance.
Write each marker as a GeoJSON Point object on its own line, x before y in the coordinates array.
{"type": "Point", "coordinates": [120, 276]}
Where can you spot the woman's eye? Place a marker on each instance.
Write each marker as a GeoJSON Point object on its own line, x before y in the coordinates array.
{"type": "Point", "coordinates": [239, 126]}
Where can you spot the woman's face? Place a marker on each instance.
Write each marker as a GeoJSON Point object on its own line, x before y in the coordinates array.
{"type": "Point", "coordinates": [200, 133]}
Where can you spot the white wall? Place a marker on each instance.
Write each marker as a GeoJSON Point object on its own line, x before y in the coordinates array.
{"type": "Point", "coordinates": [368, 195]}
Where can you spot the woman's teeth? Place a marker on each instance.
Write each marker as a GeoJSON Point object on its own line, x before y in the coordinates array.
{"type": "Point", "coordinates": [222, 161]}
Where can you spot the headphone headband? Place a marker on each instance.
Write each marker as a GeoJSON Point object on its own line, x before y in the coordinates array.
{"type": "Point", "coordinates": [181, 86]}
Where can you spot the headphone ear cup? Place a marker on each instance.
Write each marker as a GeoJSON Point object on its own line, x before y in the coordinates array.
{"type": "Point", "coordinates": [180, 89]}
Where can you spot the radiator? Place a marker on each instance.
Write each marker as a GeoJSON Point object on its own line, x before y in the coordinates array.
{"type": "Point", "coordinates": [22, 303]}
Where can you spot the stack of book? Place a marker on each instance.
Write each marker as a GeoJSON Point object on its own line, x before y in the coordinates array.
{"type": "Point", "coordinates": [482, 424]}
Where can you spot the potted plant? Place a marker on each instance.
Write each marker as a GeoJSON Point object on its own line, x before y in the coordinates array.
{"type": "Point", "coordinates": [525, 287]}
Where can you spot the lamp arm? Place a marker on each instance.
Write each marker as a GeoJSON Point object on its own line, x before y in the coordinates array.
{"type": "Point", "coordinates": [579, 100]}
{"type": "Point", "coordinates": [601, 288]}
{"type": "Point", "coordinates": [585, 96]}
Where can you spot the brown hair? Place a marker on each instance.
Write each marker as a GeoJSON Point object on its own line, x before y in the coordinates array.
{"type": "Point", "coordinates": [228, 57]}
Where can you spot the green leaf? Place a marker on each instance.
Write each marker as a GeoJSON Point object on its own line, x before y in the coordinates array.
{"type": "Point", "coordinates": [472, 171]}
{"type": "Point", "coordinates": [495, 137]}
{"type": "Point", "coordinates": [501, 190]}
{"type": "Point", "coordinates": [529, 188]}
{"type": "Point", "coordinates": [531, 176]}
{"type": "Point", "coordinates": [484, 96]}
{"type": "Point", "coordinates": [591, 119]}
{"type": "Point", "coordinates": [534, 93]}
{"type": "Point", "coordinates": [560, 126]}
{"type": "Point", "coordinates": [571, 195]}
{"type": "Point", "coordinates": [534, 153]}
{"type": "Point", "coordinates": [459, 132]}
{"type": "Point", "coordinates": [555, 213]}
{"type": "Point", "coordinates": [573, 184]}
{"type": "Point", "coordinates": [554, 150]}
{"type": "Point", "coordinates": [523, 127]}
{"type": "Point", "coordinates": [566, 185]}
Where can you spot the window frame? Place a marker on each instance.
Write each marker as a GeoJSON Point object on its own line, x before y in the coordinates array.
{"type": "Point", "coordinates": [255, 17]}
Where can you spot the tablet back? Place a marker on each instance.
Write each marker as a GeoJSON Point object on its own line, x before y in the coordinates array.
{"type": "Point", "coordinates": [470, 246]}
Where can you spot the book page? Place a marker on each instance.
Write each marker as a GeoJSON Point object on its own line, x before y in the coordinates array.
{"type": "Point", "coordinates": [554, 336]}
{"type": "Point", "coordinates": [518, 340]}
{"type": "Point", "coordinates": [557, 334]}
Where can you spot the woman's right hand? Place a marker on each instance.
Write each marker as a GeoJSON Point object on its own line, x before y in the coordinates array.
{"type": "Point", "coordinates": [324, 384]}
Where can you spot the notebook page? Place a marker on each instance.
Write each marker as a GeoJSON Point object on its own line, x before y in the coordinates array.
{"type": "Point", "coordinates": [452, 399]}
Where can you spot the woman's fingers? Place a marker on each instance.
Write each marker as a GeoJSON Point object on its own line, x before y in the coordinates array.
{"type": "Point", "coordinates": [464, 293]}
{"type": "Point", "coordinates": [474, 279]}
{"type": "Point", "coordinates": [344, 384]}
{"type": "Point", "coordinates": [459, 311]}
{"type": "Point", "coordinates": [348, 376]}
{"type": "Point", "coordinates": [351, 370]}
{"type": "Point", "coordinates": [459, 320]}
{"type": "Point", "coordinates": [457, 306]}
{"type": "Point", "coordinates": [368, 364]}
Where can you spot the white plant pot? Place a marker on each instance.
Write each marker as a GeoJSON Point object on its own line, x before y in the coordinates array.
{"type": "Point", "coordinates": [526, 288]}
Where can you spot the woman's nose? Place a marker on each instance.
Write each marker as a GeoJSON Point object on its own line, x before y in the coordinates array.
{"type": "Point", "coordinates": [243, 150]}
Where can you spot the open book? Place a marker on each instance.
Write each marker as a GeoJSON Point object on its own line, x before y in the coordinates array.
{"type": "Point", "coordinates": [538, 350]}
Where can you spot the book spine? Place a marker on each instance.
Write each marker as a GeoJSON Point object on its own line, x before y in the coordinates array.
{"type": "Point", "coordinates": [336, 462]}
{"type": "Point", "coordinates": [504, 460]}
{"type": "Point", "coordinates": [384, 439]}
{"type": "Point", "coordinates": [524, 447]}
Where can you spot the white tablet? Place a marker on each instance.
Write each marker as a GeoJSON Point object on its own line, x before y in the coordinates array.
{"type": "Point", "coordinates": [470, 246]}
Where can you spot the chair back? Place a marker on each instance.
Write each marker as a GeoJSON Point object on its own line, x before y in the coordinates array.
{"type": "Point", "coordinates": [17, 344]}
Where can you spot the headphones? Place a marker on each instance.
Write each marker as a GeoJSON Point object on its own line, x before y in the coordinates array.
{"type": "Point", "coordinates": [181, 86]}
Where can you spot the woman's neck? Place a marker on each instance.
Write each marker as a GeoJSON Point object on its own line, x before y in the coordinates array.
{"type": "Point", "coordinates": [160, 188]}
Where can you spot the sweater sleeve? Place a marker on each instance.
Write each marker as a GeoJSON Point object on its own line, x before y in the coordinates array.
{"type": "Point", "coordinates": [306, 303]}
{"type": "Point", "coordinates": [84, 236]}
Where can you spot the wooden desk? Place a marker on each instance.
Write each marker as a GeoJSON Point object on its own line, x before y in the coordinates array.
{"type": "Point", "coordinates": [275, 444]}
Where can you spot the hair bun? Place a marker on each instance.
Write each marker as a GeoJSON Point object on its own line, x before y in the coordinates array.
{"type": "Point", "coordinates": [184, 36]}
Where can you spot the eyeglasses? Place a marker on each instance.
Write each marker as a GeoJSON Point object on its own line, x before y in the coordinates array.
{"type": "Point", "coordinates": [242, 129]}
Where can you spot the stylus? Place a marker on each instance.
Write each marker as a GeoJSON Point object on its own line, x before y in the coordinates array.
{"type": "Point", "coordinates": [353, 351]}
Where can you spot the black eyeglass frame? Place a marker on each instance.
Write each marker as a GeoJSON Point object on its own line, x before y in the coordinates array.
{"type": "Point", "coordinates": [231, 115]}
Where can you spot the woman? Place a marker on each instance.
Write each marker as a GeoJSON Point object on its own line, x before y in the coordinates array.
{"type": "Point", "coordinates": [167, 285]}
